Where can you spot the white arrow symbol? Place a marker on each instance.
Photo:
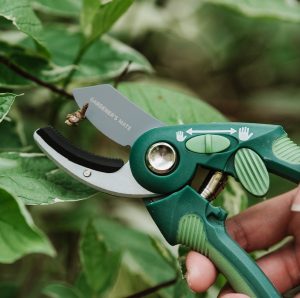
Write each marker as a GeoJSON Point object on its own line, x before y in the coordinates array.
{"type": "Point", "coordinates": [192, 131]}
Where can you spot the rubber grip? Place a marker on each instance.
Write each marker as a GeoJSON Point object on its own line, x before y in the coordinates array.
{"type": "Point", "coordinates": [284, 159]}
{"type": "Point", "coordinates": [76, 155]}
{"type": "Point", "coordinates": [187, 218]}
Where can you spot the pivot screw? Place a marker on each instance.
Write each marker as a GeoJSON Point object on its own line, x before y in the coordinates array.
{"type": "Point", "coordinates": [161, 158]}
{"type": "Point", "coordinates": [87, 173]}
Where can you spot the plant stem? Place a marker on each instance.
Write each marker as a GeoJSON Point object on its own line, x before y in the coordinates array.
{"type": "Point", "coordinates": [123, 74]}
{"type": "Point", "coordinates": [154, 289]}
{"type": "Point", "coordinates": [23, 73]}
{"type": "Point", "coordinates": [76, 61]}
{"type": "Point", "coordinates": [68, 79]}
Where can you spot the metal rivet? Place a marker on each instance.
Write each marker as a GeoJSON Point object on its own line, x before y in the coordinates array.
{"type": "Point", "coordinates": [87, 173]}
{"type": "Point", "coordinates": [161, 158]}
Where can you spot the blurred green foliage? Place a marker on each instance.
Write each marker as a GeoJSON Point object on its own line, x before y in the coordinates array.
{"type": "Point", "coordinates": [241, 57]}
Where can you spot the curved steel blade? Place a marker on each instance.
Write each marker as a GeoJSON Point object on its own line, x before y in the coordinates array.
{"type": "Point", "coordinates": [113, 114]}
{"type": "Point", "coordinates": [119, 183]}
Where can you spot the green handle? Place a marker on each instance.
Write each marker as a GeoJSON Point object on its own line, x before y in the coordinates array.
{"type": "Point", "coordinates": [247, 151]}
{"type": "Point", "coordinates": [187, 218]}
{"type": "Point", "coordinates": [286, 161]}
{"type": "Point", "coordinates": [280, 156]}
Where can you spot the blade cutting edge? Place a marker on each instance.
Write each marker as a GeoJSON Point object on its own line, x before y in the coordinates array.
{"type": "Point", "coordinates": [113, 114]}
{"type": "Point", "coordinates": [120, 183]}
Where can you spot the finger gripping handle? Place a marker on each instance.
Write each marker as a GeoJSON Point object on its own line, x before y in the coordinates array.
{"type": "Point", "coordinates": [187, 218]}
{"type": "Point", "coordinates": [239, 269]}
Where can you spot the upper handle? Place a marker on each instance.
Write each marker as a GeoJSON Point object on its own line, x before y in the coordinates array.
{"type": "Point", "coordinates": [251, 166]}
{"type": "Point", "coordinates": [193, 222]}
{"type": "Point", "coordinates": [285, 159]}
{"type": "Point", "coordinates": [247, 151]}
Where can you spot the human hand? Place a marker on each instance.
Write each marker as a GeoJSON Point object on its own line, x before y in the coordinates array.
{"type": "Point", "coordinates": [259, 227]}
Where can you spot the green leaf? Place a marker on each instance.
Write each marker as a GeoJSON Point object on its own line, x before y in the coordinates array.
{"type": "Point", "coordinates": [62, 290]}
{"type": "Point", "coordinates": [100, 265]}
{"type": "Point", "coordinates": [276, 9]}
{"type": "Point", "coordinates": [36, 180]}
{"type": "Point", "coordinates": [181, 290]}
{"type": "Point", "coordinates": [104, 60]}
{"type": "Point", "coordinates": [8, 290]}
{"type": "Point", "coordinates": [23, 17]}
{"type": "Point", "coordinates": [30, 62]}
{"type": "Point", "coordinates": [89, 9]}
{"type": "Point", "coordinates": [97, 19]}
{"type": "Point", "coordinates": [170, 106]}
{"type": "Point", "coordinates": [141, 259]}
{"type": "Point", "coordinates": [6, 101]}
{"type": "Point", "coordinates": [11, 139]}
{"type": "Point", "coordinates": [164, 252]}
{"type": "Point", "coordinates": [233, 198]}
{"type": "Point", "coordinates": [19, 236]}
{"type": "Point", "coordinates": [60, 8]}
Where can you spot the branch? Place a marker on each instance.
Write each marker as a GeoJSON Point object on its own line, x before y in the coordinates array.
{"type": "Point", "coordinates": [77, 60]}
{"type": "Point", "coordinates": [123, 74]}
{"type": "Point", "coordinates": [23, 73]}
{"type": "Point", "coordinates": [154, 289]}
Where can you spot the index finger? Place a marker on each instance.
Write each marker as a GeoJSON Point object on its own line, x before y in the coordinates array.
{"type": "Point", "coordinates": [264, 224]}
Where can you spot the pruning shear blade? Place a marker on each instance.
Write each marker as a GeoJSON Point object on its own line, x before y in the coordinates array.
{"type": "Point", "coordinates": [107, 175]}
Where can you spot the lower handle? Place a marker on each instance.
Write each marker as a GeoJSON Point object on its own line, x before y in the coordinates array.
{"type": "Point", "coordinates": [187, 218]}
{"type": "Point", "coordinates": [213, 241]}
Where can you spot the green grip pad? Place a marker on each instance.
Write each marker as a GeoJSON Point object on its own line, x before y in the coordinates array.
{"type": "Point", "coordinates": [191, 232]}
{"type": "Point", "coordinates": [207, 144]}
{"type": "Point", "coordinates": [251, 172]}
{"type": "Point", "coordinates": [286, 150]}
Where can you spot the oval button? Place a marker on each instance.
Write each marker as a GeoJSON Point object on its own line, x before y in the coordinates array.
{"type": "Point", "coordinates": [252, 172]}
{"type": "Point", "coordinates": [207, 144]}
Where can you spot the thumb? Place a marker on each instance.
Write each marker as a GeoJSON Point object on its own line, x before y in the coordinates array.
{"type": "Point", "coordinates": [201, 273]}
{"type": "Point", "coordinates": [227, 292]}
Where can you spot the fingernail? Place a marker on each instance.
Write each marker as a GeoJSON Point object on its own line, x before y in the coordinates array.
{"type": "Point", "coordinates": [296, 201]}
{"type": "Point", "coordinates": [295, 207]}
{"type": "Point", "coordinates": [189, 278]}
{"type": "Point", "coordinates": [189, 281]}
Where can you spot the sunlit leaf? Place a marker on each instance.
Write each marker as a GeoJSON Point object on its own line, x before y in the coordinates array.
{"type": "Point", "coordinates": [36, 180]}
{"type": "Point", "coordinates": [104, 60]}
{"type": "Point", "coordinates": [23, 17]}
{"type": "Point", "coordinates": [97, 19]}
{"type": "Point", "coordinates": [170, 106]}
{"type": "Point", "coordinates": [60, 8]}
{"type": "Point", "coordinates": [100, 265]}
{"type": "Point", "coordinates": [62, 290]}
{"type": "Point", "coordinates": [89, 9]}
{"type": "Point", "coordinates": [285, 10]}
{"type": "Point", "coordinates": [19, 236]}
{"type": "Point", "coordinates": [140, 257]}
{"type": "Point", "coordinates": [6, 101]}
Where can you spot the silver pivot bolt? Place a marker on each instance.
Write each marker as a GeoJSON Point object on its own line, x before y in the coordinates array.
{"type": "Point", "coordinates": [87, 173]}
{"type": "Point", "coordinates": [161, 158]}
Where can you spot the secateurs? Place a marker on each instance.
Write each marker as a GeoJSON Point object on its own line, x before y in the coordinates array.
{"type": "Point", "coordinates": [162, 165]}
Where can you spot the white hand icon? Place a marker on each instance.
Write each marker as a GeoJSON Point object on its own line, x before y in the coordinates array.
{"type": "Point", "coordinates": [244, 134]}
{"type": "Point", "coordinates": [180, 137]}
